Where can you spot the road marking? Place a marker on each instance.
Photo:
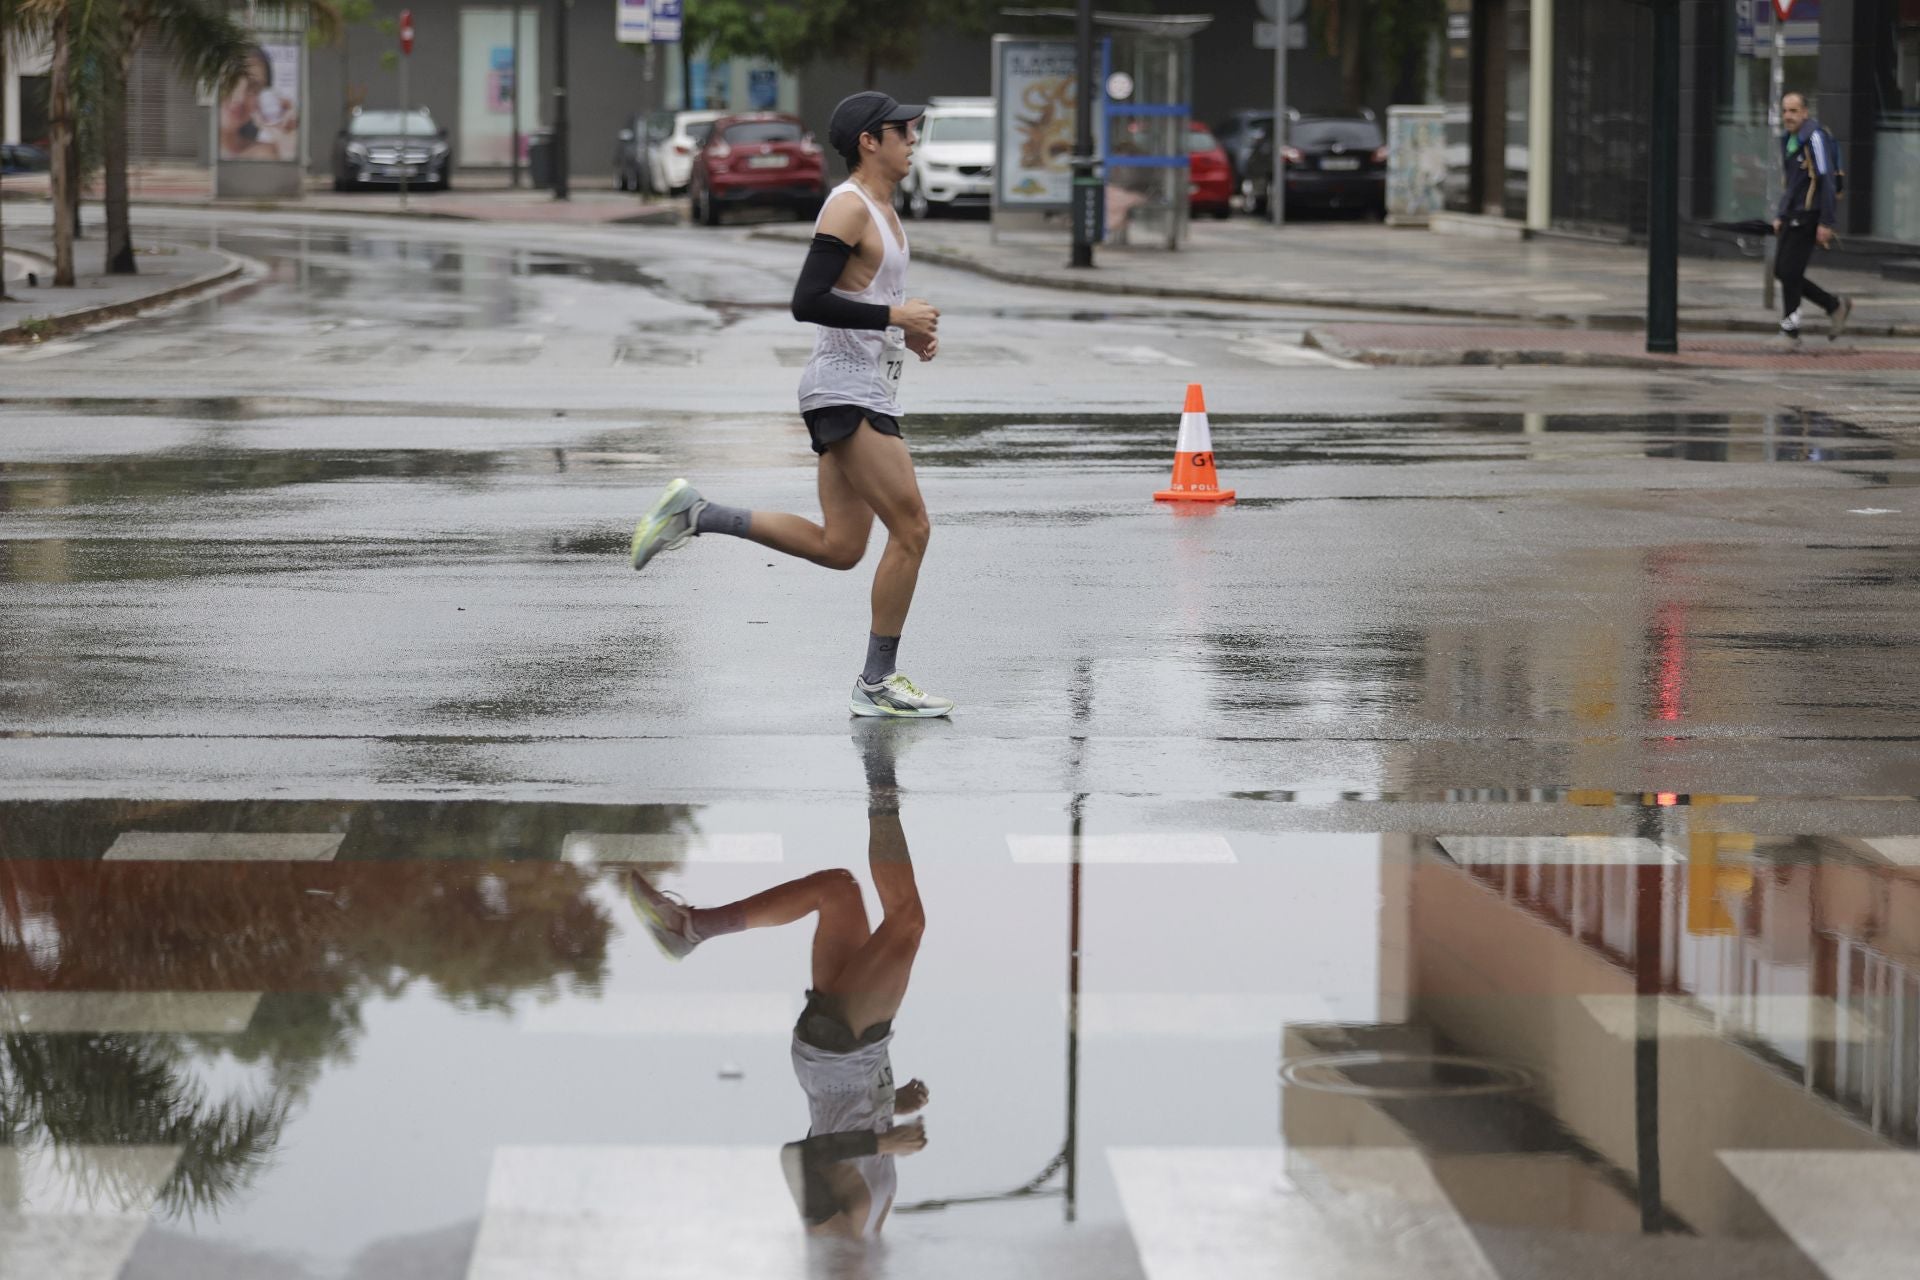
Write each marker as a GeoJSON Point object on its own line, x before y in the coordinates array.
{"type": "Point", "coordinates": [1873, 511]}
{"type": "Point", "coordinates": [1197, 1015]}
{"type": "Point", "coordinates": [73, 1012]}
{"type": "Point", "coordinates": [46, 350]}
{"type": "Point", "coordinates": [76, 1213]}
{"type": "Point", "coordinates": [226, 846]}
{"type": "Point", "coordinates": [612, 1212]}
{"type": "Point", "coordinates": [1567, 851]}
{"type": "Point", "coordinates": [1850, 1212]}
{"type": "Point", "coordinates": [1754, 1017]}
{"type": "Point", "coordinates": [663, 1013]}
{"type": "Point", "coordinates": [1139, 355]}
{"type": "Point", "coordinates": [1152, 848]}
{"type": "Point", "coordinates": [1902, 851]}
{"type": "Point", "coordinates": [1260, 1212]}
{"type": "Point", "coordinates": [590, 847]}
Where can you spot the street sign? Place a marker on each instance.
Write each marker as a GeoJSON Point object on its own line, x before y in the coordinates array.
{"type": "Point", "coordinates": [633, 21]}
{"type": "Point", "coordinates": [666, 21]}
{"type": "Point", "coordinates": [406, 31]}
{"type": "Point", "coordinates": [1784, 8]}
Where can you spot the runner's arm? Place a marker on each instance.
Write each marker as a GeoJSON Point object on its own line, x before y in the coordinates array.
{"type": "Point", "coordinates": [814, 300]}
{"type": "Point", "coordinates": [1823, 179]}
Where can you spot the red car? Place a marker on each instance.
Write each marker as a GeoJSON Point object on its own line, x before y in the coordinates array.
{"type": "Point", "coordinates": [1210, 182]}
{"type": "Point", "coordinates": [757, 159]}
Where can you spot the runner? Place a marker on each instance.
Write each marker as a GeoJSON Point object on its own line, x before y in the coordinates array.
{"type": "Point", "coordinates": [842, 1174]}
{"type": "Point", "coordinates": [853, 286]}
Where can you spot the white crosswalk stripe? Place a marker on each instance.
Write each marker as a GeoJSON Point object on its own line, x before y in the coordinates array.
{"type": "Point", "coordinates": [70, 1012]}
{"type": "Point", "coordinates": [1561, 851]}
{"type": "Point", "coordinates": [225, 846]}
{"type": "Point", "coordinates": [1850, 1212]}
{"type": "Point", "coordinates": [77, 1214]}
{"type": "Point", "coordinates": [592, 847]}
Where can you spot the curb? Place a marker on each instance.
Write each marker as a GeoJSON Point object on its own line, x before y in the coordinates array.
{"type": "Point", "coordinates": [86, 317]}
{"type": "Point", "coordinates": [661, 216]}
{"type": "Point", "coordinates": [1612, 321]}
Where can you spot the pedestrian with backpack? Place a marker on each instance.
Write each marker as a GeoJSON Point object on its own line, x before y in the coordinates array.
{"type": "Point", "coordinates": [1806, 216]}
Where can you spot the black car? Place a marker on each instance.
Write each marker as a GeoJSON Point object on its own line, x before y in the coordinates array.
{"type": "Point", "coordinates": [1330, 162]}
{"type": "Point", "coordinates": [382, 147]}
{"type": "Point", "coordinates": [1237, 135]}
{"type": "Point", "coordinates": [18, 157]}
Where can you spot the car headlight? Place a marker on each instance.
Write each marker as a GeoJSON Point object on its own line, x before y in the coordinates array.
{"type": "Point", "coordinates": [440, 149]}
{"type": "Point", "coordinates": [355, 151]}
{"type": "Point", "coordinates": [938, 168]}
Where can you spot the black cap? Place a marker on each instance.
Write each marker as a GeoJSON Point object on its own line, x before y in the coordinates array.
{"type": "Point", "coordinates": [865, 113]}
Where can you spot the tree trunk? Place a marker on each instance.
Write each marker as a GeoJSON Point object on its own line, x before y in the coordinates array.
{"type": "Point", "coordinates": [120, 260]}
{"type": "Point", "coordinates": [1353, 62]}
{"type": "Point", "coordinates": [60, 122]}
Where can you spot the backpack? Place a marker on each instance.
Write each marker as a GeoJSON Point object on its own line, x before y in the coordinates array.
{"type": "Point", "coordinates": [1839, 164]}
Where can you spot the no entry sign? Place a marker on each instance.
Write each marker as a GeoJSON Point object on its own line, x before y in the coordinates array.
{"type": "Point", "coordinates": [406, 28]}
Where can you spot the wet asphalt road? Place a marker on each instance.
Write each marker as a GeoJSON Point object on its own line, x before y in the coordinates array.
{"type": "Point", "coordinates": [342, 555]}
{"type": "Point", "coordinates": [334, 549]}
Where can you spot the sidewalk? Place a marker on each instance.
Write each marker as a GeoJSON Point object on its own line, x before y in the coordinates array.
{"type": "Point", "coordinates": [168, 273]}
{"type": "Point", "coordinates": [1435, 343]}
{"type": "Point", "coordinates": [484, 197]}
{"type": "Point", "coordinates": [1370, 267]}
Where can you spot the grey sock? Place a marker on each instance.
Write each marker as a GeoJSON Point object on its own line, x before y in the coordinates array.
{"type": "Point", "coordinates": [715, 518]}
{"type": "Point", "coordinates": [880, 658]}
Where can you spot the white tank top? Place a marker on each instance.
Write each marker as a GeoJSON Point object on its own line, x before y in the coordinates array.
{"type": "Point", "coordinates": [849, 1091]}
{"type": "Point", "coordinates": [862, 367]}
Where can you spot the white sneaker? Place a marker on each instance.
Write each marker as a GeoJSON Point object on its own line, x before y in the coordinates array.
{"type": "Point", "coordinates": [668, 524]}
{"type": "Point", "coordinates": [669, 922]}
{"type": "Point", "coordinates": [895, 696]}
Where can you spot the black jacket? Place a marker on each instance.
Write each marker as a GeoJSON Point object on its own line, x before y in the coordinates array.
{"type": "Point", "coordinates": [1808, 157]}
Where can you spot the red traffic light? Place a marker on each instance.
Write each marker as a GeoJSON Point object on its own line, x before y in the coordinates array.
{"type": "Point", "coordinates": [406, 31]}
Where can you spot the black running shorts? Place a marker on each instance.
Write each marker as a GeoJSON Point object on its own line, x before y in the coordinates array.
{"type": "Point", "coordinates": [823, 1024]}
{"type": "Point", "coordinates": [836, 422]}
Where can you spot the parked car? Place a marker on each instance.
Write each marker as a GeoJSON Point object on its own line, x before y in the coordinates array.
{"type": "Point", "coordinates": [382, 147]}
{"type": "Point", "coordinates": [672, 140]}
{"type": "Point", "coordinates": [759, 158]}
{"type": "Point", "coordinates": [1238, 133]}
{"type": "Point", "coordinates": [1329, 162]}
{"type": "Point", "coordinates": [18, 157]}
{"type": "Point", "coordinates": [1209, 177]}
{"type": "Point", "coordinates": [953, 161]}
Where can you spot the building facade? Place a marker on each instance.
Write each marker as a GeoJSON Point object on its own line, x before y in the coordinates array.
{"type": "Point", "coordinates": [1549, 111]}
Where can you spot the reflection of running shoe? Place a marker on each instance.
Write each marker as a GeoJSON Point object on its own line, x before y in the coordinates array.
{"type": "Point", "coordinates": [668, 524]}
{"type": "Point", "coordinates": [668, 920]}
{"type": "Point", "coordinates": [895, 696]}
{"type": "Point", "coordinates": [1837, 322]}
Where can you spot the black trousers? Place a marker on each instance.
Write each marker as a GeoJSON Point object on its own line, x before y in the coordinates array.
{"type": "Point", "coordinates": [1798, 236]}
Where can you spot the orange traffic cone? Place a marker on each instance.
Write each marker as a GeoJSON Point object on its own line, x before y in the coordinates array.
{"type": "Point", "coordinates": [1193, 475]}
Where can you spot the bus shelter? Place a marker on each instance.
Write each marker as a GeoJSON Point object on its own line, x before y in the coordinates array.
{"type": "Point", "coordinates": [1144, 67]}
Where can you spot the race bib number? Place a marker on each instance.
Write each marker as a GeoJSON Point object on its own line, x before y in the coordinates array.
{"type": "Point", "coordinates": [893, 357]}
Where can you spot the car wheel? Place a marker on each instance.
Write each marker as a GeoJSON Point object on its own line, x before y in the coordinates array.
{"type": "Point", "coordinates": [704, 208]}
{"type": "Point", "coordinates": [1222, 211]}
{"type": "Point", "coordinates": [918, 205]}
{"type": "Point", "coordinates": [340, 183]}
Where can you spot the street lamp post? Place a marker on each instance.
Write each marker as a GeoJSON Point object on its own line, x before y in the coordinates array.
{"type": "Point", "coordinates": [1086, 188]}
{"type": "Point", "coordinates": [1663, 184]}
{"type": "Point", "coordinates": [560, 140]}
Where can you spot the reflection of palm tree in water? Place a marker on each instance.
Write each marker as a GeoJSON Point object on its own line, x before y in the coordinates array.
{"type": "Point", "coordinates": [842, 1174]}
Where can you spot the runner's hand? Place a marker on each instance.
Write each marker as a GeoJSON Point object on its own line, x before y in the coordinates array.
{"type": "Point", "coordinates": [1825, 236]}
{"type": "Point", "coordinates": [903, 1139]}
{"type": "Point", "coordinates": [1776, 226]}
{"type": "Point", "coordinates": [925, 348]}
{"type": "Point", "coordinates": [917, 317]}
{"type": "Point", "coordinates": [910, 1097]}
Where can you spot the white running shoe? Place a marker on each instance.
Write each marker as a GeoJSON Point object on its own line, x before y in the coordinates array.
{"type": "Point", "coordinates": [895, 696]}
{"type": "Point", "coordinates": [670, 922]}
{"type": "Point", "coordinates": [668, 524]}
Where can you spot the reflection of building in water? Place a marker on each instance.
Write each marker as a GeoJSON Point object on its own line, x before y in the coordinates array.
{"type": "Point", "coordinates": [1780, 985]}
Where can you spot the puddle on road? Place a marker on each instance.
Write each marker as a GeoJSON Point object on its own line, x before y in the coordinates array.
{"type": "Point", "coordinates": [1688, 1039]}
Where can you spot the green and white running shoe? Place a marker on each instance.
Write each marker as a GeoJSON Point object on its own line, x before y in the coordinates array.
{"type": "Point", "coordinates": [895, 696]}
{"type": "Point", "coordinates": [669, 922]}
{"type": "Point", "coordinates": [669, 524]}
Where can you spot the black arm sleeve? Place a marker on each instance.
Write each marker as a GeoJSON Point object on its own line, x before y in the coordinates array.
{"type": "Point", "coordinates": [814, 300]}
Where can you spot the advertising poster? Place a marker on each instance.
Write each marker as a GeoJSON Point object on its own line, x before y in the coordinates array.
{"type": "Point", "coordinates": [260, 116]}
{"type": "Point", "coordinates": [500, 80]}
{"type": "Point", "coordinates": [1036, 95]}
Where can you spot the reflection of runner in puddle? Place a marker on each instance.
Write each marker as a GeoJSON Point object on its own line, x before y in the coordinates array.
{"type": "Point", "coordinates": [842, 1174]}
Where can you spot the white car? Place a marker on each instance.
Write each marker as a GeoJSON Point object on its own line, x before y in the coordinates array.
{"type": "Point", "coordinates": [672, 138]}
{"type": "Point", "coordinates": [953, 163]}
